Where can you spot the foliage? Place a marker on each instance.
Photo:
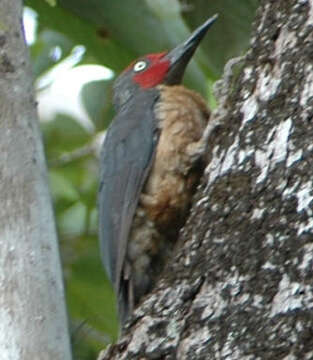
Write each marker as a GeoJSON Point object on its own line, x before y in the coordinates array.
{"type": "Point", "coordinates": [112, 33]}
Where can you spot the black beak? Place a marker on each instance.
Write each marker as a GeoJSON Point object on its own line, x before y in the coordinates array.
{"type": "Point", "coordinates": [181, 55]}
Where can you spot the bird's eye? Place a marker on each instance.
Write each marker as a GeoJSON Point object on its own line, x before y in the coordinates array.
{"type": "Point", "coordinates": [140, 65]}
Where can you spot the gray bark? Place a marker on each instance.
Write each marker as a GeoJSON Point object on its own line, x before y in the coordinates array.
{"type": "Point", "coordinates": [33, 319]}
{"type": "Point", "coordinates": [240, 283]}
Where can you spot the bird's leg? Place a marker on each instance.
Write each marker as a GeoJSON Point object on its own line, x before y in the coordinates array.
{"type": "Point", "coordinates": [196, 150]}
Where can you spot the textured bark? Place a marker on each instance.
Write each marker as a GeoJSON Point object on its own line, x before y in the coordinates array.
{"type": "Point", "coordinates": [33, 320]}
{"type": "Point", "coordinates": [240, 283]}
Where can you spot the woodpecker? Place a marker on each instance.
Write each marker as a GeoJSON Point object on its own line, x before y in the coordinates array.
{"type": "Point", "coordinates": [150, 163]}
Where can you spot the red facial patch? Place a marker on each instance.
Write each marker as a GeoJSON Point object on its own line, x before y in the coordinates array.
{"type": "Point", "coordinates": [154, 73]}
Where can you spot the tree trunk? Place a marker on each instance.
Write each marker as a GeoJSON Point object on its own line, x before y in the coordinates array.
{"type": "Point", "coordinates": [240, 283]}
{"type": "Point", "coordinates": [33, 319]}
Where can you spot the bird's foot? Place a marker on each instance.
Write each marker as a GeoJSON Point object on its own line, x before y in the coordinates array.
{"type": "Point", "coordinates": [196, 150]}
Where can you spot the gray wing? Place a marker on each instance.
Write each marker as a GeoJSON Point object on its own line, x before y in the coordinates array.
{"type": "Point", "coordinates": [126, 158]}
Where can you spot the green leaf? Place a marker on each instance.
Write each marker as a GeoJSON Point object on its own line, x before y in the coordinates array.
{"type": "Point", "coordinates": [101, 47]}
{"type": "Point", "coordinates": [229, 36]}
{"type": "Point", "coordinates": [52, 2]}
{"type": "Point", "coordinates": [96, 98]}
{"type": "Point", "coordinates": [43, 51]}
{"type": "Point", "coordinates": [72, 220]}
{"type": "Point", "coordinates": [61, 187]}
{"type": "Point", "coordinates": [63, 134]}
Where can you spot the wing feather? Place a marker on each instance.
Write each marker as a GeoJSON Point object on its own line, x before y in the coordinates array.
{"type": "Point", "coordinates": [125, 161]}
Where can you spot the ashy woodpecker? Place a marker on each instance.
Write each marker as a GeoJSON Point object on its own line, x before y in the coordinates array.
{"type": "Point", "coordinates": [151, 161]}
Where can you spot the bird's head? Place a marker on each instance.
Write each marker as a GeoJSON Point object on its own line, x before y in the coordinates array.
{"type": "Point", "coordinates": [154, 69]}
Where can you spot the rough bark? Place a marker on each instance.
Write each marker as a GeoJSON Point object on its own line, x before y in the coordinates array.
{"type": "Point", "coordinates": [240, 283]}
{"type": "Point", "coordinates": [33, 320]}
